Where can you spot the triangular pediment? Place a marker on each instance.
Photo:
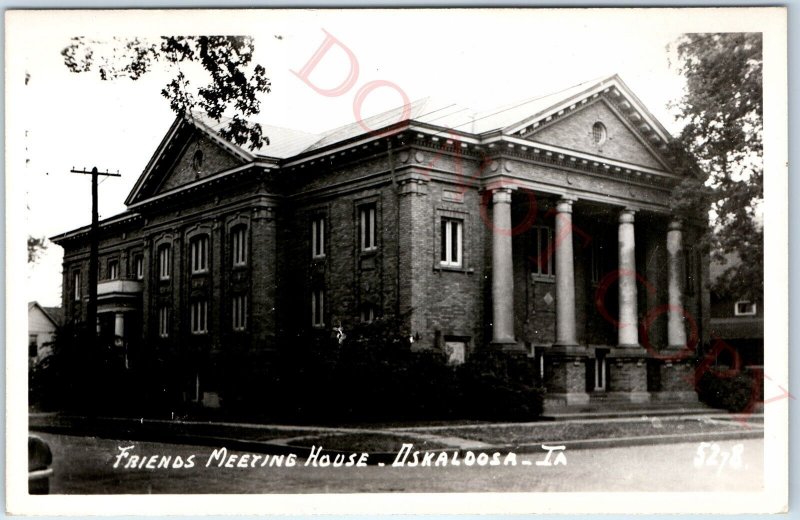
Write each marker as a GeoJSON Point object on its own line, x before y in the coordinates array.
{"type": "Point", "coordinates": [597, 129]}
{"type": "Point", "coordinates": [604, 119]}
{"type": "Point", "coordinates": [189, 153]}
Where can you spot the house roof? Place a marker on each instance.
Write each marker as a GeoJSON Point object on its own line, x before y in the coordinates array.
{"type": "Point", "coordinates": [54, 314]}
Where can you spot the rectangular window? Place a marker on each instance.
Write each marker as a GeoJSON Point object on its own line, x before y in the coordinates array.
{"type": "Point", "coordinates": [199, 254]}
{"type": "Point", "coordinates": [199, 317]}
{"type": "Point", "coordinates": [164, 262]}
{"type": "Point", "coordinates": [367, 227]}
{"type": "Point", "coordinates": [113, 269]}
{"type": "Point", "coordinates": [318, 308]}
{"type": "Point", "coordinates": [239, 312]}
{"type": "Point", "coordinates": [598, 249]}
{"type": "Point", "coordinates": [318, 237]}
{"type": "Point", "coordinates": [239, 245]}
{"type": "Point", "coordinates": [163, 322]}
{"type": "Point", "coordinates": [543, 251]}
{"type": "Point", "coordinates": [138, 267]}
{"type": "Point", "coordinates": [744, 308]}
{"type": "Point", "coordinates": [368, 313]}
{"type": "Point", "coordinates": [451, 242]}
{"type": "Point", "coordinates": [33, 345]}
{"type": "Point", "coordinates": [76, 286]}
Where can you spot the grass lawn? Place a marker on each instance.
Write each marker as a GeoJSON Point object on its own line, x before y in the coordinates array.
{"type": "Point", "coordinates": [566, 431]}
{"type": "Point", "coordinates": [366, 442]}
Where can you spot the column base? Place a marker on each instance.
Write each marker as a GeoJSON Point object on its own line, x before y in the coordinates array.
{"type": "Point", "coordinates": [560, 400]}
{"type": "Point", "coordinates": [509, 346]}
{"type": "Point", "coordinates": [629, 397]}
{"type": "Point", "coordinates": [565, 375]}
{"type": "Point", "coordinates": [677, 378]}
{"type": "Point", "coordinates": [627, 373]}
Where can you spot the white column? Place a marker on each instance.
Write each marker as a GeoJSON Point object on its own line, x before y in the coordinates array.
{"type": "Point", "coordinates": [502, 268]}
{"type": "Point", "coordinates": [676, 331]}
{"type": "Point", "coordinates": [565, 275]}
{"type": "Point", "coordinates": [628, 333]}
{"type": "Point", "coordinates": [119, 324]}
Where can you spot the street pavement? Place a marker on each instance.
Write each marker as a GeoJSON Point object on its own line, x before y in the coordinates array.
{"type": "Point", "coordinates": [86, 465]}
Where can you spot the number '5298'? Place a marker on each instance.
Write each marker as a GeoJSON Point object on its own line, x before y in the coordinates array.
{"type": "Point", "coordinates": [710, 454]}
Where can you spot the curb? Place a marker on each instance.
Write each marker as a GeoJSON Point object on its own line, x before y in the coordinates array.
{"type": "Point", "coordinates": [281, 448]}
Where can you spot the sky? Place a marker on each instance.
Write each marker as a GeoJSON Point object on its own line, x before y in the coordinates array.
{"type": "Point", "coordinates": [476, 58]}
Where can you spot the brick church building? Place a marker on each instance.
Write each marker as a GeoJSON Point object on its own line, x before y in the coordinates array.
{"type": "Point", "coordinates": [542, 228]}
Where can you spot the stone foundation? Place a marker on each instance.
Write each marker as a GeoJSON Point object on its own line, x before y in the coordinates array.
{"type": "Point", "coordinates": [627, 375]}
{"type": "Point", "coordinates": [565, 379]}
{"type": "Point", "coordinates": [677, 381]}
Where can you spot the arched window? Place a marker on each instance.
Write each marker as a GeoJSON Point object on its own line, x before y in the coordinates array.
{"type": "Point", "coordinates": [199, 254]}
{"type": "Point", "coordinates": [164, 260]}
{"type": "Point", "coordinates": [239, 245]}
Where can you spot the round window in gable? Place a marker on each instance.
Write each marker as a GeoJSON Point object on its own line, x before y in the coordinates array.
{"type": "Point", "coordinates": [599, 133]}
{"type": "Point", "coordinates": [197, 161]}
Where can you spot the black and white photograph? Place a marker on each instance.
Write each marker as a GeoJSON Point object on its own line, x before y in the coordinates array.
{"type": "Point", "coordinates": [397, 261]}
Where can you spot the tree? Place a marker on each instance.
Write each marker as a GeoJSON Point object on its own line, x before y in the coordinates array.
{"type": "Point", "coordinates": [722, 111]}
{"type": "Point", "coordinates": [233, 86]}
{"type": "Point", "coordinates": [36, 246]}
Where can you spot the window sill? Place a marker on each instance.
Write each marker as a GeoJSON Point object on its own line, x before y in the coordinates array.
{"type": "Point", "coordinates": [453, 269]}
{"type": "Point", "coordinates": [369, 252]}
{"type": "Point", "coordinates": [542, 278]}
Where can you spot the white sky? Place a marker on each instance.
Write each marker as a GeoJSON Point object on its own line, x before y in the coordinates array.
{"type": "Point", "coordinates": [475, 58]}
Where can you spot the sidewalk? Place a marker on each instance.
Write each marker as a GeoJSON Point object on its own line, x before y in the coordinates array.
{"type": "Point", "coordinates": [383, 442]}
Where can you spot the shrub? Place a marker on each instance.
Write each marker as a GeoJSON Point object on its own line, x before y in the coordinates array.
{"type": "Point", "coordinates": [734, 393]}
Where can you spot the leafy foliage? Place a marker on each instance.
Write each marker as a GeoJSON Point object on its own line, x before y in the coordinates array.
{"type": "Point", "coordinates": [233, 84]}
{"type": "Point", "coordinates": [722, 111]}
{"type": "Point", "coordinates": [36, 246]}
{"type": "Point", "coordinates": [738, 392]}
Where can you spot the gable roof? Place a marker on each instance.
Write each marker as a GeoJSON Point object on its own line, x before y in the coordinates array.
{"type": "Point", "coordinates": [53, 314]}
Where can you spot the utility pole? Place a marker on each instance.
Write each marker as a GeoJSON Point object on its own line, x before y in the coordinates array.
{"type": "Point", "coordinates": [91, 310]}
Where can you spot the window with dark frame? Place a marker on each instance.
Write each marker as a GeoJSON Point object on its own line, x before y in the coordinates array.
{"type": "Point", "coordinates": [163, 321]}
{"type": "Point", "coordinates": [138, 267]}
{"type": "Point", "coordinates": [164, 258]}
{"type": "Point", "coordinates": [239, 245]}
{"type": "Point", "coordinates": [199, 254]}
{"type": "Point", "coordinates": [368, 313]}
{"type": "Point", "coordinates": [451, 242]}
{"type": "Point", "coordinates": [542, 264]}
{"type": "Point", "coordinates": [318, 307]}
{"type": "Point", "coordinates": [239, 312]}
{"type": "Point", "coordinates": [367, 227]}
{"type": "Point", "coordinates": [318, 237]}
{"type": "Point", "coordinates": [113, 269]}
{"type": "Point", "coordinates": [744, 308]}
{"type": "Point", "coordinates": [76, 286]}
{"type": "Point", "coordinates": [33, 345]}
{"type": "Point", "coordinates": [199, 317]}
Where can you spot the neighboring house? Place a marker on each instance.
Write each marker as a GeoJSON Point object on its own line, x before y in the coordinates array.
{"type": "Point", "coordinates": [737, 321]}
{"type": "Point", "coordinates": [522, 229]}
{"type": "Point", "coordinates": [43, 322]}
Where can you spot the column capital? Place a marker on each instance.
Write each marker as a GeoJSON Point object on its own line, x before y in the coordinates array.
{"type": "Point", "coordinates": [626, 216]}
{"type": "Point", "coordinates": [502, 194]}
{"type": "Point", "coordinates": [675, 224]}
{"type": "Point", "coordinates": [564, 205]}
